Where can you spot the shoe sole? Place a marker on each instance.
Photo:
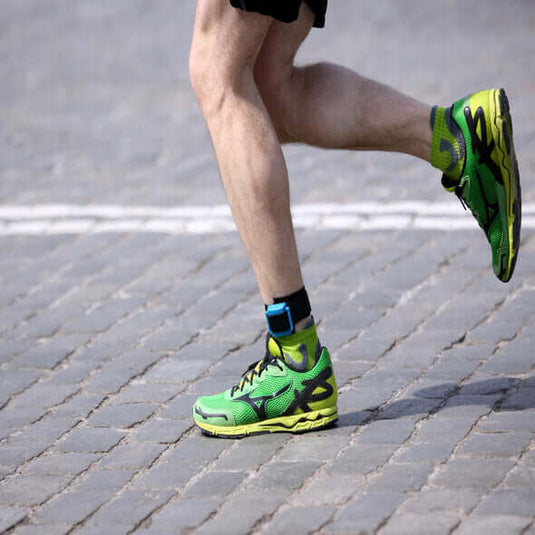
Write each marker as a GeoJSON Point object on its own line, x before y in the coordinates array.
{"type": "Point", "coordinates": [511, 203]}
{"type": "Point", "coordinates": [298, 423]}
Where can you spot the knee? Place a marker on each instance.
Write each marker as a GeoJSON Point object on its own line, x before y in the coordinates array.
{"type": "Point", "coordinates": [203, 77]}
{"type": "Point", "coordinates": [218, 83]}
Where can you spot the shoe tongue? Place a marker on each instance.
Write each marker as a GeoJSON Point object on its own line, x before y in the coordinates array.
{"type": "Point", "coordinates": [273, 347]}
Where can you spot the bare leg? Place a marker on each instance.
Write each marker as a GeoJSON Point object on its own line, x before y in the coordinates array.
{"type": "Point", "coordinates": [253, 97]}
{"type": "Point", "coordinates": [331, 106]}
{"type": "Point", "coordinates": [225, 46]}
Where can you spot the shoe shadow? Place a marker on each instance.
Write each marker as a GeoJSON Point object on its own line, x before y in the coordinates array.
{"type": "Point", "coordinates": [500, 394]}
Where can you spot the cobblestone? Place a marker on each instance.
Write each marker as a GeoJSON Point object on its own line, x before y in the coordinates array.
{"type": "Point", "coordinates": [107, 338]}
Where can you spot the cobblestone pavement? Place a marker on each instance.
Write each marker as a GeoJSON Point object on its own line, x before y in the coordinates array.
{"type": "Point", "coordinates": [107, 338]}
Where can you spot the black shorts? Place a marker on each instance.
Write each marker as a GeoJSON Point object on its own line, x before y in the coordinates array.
{"type": "Point", "coordinates": [284, 10]}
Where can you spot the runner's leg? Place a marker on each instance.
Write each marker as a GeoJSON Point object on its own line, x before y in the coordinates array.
{"type": "Point", "coordinates": [225, 46]}
{"type": "Point", "coordinates": [331, 106]}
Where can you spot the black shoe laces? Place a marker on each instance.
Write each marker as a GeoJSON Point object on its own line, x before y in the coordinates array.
{"type": "Point", "coordinates": [255, 370]}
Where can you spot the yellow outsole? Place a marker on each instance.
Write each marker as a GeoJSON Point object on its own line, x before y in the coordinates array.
{"type": "Point", "coordinates": [500, 128]}
{"type": "Point", "coordinates": [297, 423]}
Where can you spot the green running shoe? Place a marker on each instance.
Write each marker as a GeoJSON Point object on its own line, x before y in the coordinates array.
{"type": "Point", "coordinates": [271, 397]}
{"type": "Point", "coordinates": [490, 182]}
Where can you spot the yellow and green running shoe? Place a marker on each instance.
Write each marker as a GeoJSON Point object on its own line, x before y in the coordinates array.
{"type": "Point", "coordinates": [272, 397]}
{"type": "Point", "coordinates": [489, 182]}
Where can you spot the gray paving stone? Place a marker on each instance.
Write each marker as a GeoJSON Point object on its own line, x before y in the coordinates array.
{"type": "Point", "coordinates": [79, 406]}
{"type": "Point", "coordinates": [43, 396]}
{"type": "Point", "coordinates": [494, 331]}
{"type": "Point", "coordinates": [107, 381]}
{"type": "Point", "coordinates": [284, 474]}
{"type": "Point", "coordinates": [362, 458]}
{"type": "Point", "coordinates": [134, 362]}
{"type": "Point", "coordinates": [493, 524]}
{"type": "Point", "coordinates": [434, 452]}
{"type": "Point", "coordinates": [12, 456]}
{"type": "Point", "coordinates": [330, 489]}
{"type": "Point", "coordinates": [143, 392]}
{"type": "Point", "coordinates": [175, 370]}
{"type": "Point", "coordinates": [469, 406]}
{"type": "Point", "coordinates": [471, 473]}
{"type": "Point", "coordinates": [451, 370]}
{"type": "Point", "coordinates": [19, 418]}
{"type": "Point", "coordinates": [399, 478]}
{"type": "Point", "coordinates": [478, 352]}
{"type": "Point", "coordinates": [103, 317]}
{"type": "Point", "coordinates": [494, 444]}
{"type": "Point", "coordinates": [443, 429]}
{"type": "Point", "coordinates": [9, 349]}
{"type": "Point", "coordinates": [386, 432]}
{"type": "Point", "coordinates": [458, 501]}
{"type": "Point", "coordinates": [412, 523]}
{"type": "Point", "coordinates": [166, 475]}
{"type": "Point", "coordinates": [90, 439]}
{"type": "Point", "coordinates": [511, 357]}
{"type": "Point", "coordinates": [182, 514]}
{"type": "Point", "coordinates": [249, 454]}
{"type": "Point", "coordinates": [522, 476]}
{"type": "Point", "coordinates": [71, 507]}
{"type": "Point", "coordinates": [10, 516]}
{"type": "Point", "coordinates": [361, 398]}
{"type": "Point", "coordinates": [167, 339]}
{"type": "Point", "coordinates": [313, 448]}
{"type": "Point", "coordinates": [104, 480]}
{"type": "Point", "coordinates": [197, 449]}
{"type": "Point", "coordinates": [108, 528]}
{"type": "Point", "coordinates": [132, 455]}
{"type": "Point", "coordinates": [50, 354]}
{"type": "Point", "coordinates": [408, 408]}
{"type": "Point", "coordinates": [523, 398]}
{"type": "Point", "coordinates": [299, 519]}
{"type": "Point", "coordinates": [30, 490]}
{"type": "Point", "coordinates": [122, 416]}
{"type": "Point", "coordinates": [41, 529]}
{"type": "Point", "coordinates": [244, 511]}
{"type": "Point", "coordinates": [162, 431]}
{"type": "Point", "coordinates": [365, 512]}
{"type": "Point", "coordinates": [347, 371]}
{"type": "Point", "coordinates": [14, 381]}
{"type": "Point", "coordinates": [509, 420]}
{"type": "Point", "coordinates": [215, 484]}
{"type": "Point", "coordinates": [508, 501]}
{"type": "Point", "coordinates": [61, 464]}
{"type": "Point", "coordinates": [43, 432]}
{"type": "Point", "coordinates": [129, 508]}
{"type": "Point", "coordinates": [74, 373]}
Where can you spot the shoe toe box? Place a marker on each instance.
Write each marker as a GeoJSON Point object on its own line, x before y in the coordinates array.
{"type": "Point", "coordinates": [208, 410]}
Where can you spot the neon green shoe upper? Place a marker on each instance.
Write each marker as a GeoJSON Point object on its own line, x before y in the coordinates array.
{"type": "Point", "coordinates": [272, 397]}
{"type": "Point", "coordinates": [490, 182]}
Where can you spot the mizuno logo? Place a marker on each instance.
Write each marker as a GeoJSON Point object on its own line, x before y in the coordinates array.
{"type": "Point", "coordinates": [258, 404]}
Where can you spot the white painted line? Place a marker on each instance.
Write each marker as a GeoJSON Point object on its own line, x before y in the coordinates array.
{"type": "Point", "coordinates": [39, 219]}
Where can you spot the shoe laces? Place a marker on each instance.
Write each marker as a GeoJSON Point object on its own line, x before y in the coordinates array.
{"type": "Point", "coordinates": [256, 369]}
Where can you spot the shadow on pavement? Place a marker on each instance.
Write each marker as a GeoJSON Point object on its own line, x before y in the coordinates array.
{"type": "Point", "coordinates": [500, 394]}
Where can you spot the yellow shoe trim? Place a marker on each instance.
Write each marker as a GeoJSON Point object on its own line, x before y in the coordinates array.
{"type": "Point", "coordinates": [297, 423]}
{"type": "Point", "coordinates": [505, 161]}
